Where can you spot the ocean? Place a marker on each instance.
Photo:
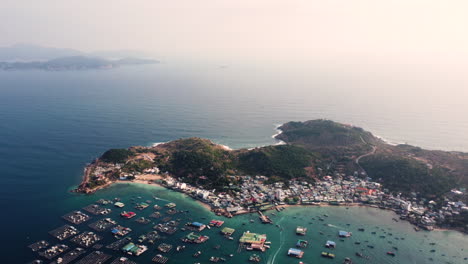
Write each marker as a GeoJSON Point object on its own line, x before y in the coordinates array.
{"type": "Point", "coordinates": [53, 123]}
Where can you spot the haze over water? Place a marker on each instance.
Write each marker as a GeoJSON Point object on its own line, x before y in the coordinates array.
{"type": "Point", "coordinates": [53, 123]}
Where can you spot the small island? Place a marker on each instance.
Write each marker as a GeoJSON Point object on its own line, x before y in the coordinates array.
{"type": "Point", "coordinates": [321, 163]}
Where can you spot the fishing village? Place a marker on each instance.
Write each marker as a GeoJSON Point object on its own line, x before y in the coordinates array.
{"type": "Point", "coordinates": [121, 231]}
{"type": "Point", "coordinates": [82, 238]}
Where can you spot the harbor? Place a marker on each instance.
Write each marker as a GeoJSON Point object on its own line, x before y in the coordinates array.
{"type": "Point", "coordinates": [205, 238]}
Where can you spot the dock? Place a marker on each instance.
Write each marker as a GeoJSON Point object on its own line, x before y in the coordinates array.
{"type": "Point", "coordinates": [265, 219]}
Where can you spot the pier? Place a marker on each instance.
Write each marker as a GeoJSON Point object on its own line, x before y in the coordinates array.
{"type": "Point", "coordinates": [265, 219]}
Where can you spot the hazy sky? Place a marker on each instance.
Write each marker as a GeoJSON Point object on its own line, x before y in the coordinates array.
{"type": "Point", "coordinates": [413, 31]}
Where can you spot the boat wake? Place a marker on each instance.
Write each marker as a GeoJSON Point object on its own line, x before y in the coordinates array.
{"type": "Point", "coordinates": [160, 199]}
{"type": "Point", "coordinates": [272, 260]}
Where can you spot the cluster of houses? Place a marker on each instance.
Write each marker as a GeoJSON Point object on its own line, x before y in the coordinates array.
{"type": "Point", "coordinates": [254, 194]}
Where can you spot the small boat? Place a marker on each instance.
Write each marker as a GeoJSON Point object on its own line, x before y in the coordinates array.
{"type": "Point", "coordinates": [359, 254]}
{"type": "Point", "coordinates": [390, 253]}
{"type": "Point", "coordinates": [214, 259]}
{"type": "Point", "coordinates": [347, 261]}
{"type": "Point", "coordinates": [328, 255]}
{"type": "Point", "coordinates": [197, 254]}
{"type": "Point", "coordinates": [254, 258]}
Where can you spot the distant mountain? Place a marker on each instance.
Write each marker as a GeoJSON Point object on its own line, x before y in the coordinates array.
{"type": "Point", "coordinates": [135, 61]}
{"type": "Point", "coordinates": [73, 63]}
{"type": "Point", "coordinates": [28, 52]}
{"type": "Point", "coordinates": [119, 54]}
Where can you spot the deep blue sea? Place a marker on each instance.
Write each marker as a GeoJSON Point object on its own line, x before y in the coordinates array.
{"type": "Point", "coordinates": [53, 123]}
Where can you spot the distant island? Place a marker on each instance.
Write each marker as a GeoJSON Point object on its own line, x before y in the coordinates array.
{"type": "Point", "coordinates": [73, 63]}
{"type": "Point", "coordinates": [321, 163]}
{"type": "Point", "coordinates": [33, 57]}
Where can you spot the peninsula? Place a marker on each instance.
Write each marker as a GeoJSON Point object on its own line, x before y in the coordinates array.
{"type": "Point", "coordinates": [321, 163]}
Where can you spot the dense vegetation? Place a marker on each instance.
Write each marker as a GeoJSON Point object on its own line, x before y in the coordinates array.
{"type": "Point", "coordinates": [198, 161]}
{"type": "Point", "coordinates": [116, 155]}
{"type": "Point", "coordinates": [285, 161]}
{"type": "Point", "coordinates": [407, 175]}
{"type": "Point", "coordinates": [317, 134]}
{"type": "Point", "coordinates": [137, 165]}
{"type": "Point", "coordinates": [311, 145]}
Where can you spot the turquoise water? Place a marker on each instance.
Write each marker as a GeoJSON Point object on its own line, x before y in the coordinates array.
{"type": "Point", "coordinates": [53, 123]}
{"type": "Point", "coordinates": [413, 247]}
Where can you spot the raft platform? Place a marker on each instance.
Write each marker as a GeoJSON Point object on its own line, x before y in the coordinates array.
{"type": "Point", "coordinates": [64, 232]}
{"type": "Point", "coordinates": [96, 257]}
{"type": "Point", "coordinates": [53, 251]}
{"type": "Point", "coordinates": [117, 245]}
{"type": "Point", "coordinates": [76, 217]}
{"type": "Point", "coordinates": [160, 259]}
{"type": "Point", "coordinates": [122, 260]}
{"type": "Point", "coordinates": [97, 210]}
{"type": "Point", "coordinates": [86, 239]}
{"type": "Point", "coordinates": [164, 247]}
{"type": "Point", "coordinates": [70, 256]}
{"type": "Point", "coordinates": [102, 225]}
{"type": "Point", "coordinates": [38, 245]}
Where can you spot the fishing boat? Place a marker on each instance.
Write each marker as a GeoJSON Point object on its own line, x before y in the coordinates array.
{"type": "Point", "coordinates": [214, 259]}
{"type": "Point", "coordinates": [327, 255]}
{"type": "Point", "coordinates": [301, 231]}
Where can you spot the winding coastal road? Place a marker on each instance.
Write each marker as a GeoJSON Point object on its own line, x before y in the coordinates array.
{"type": "Point", "coordinates": [372, 152]}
